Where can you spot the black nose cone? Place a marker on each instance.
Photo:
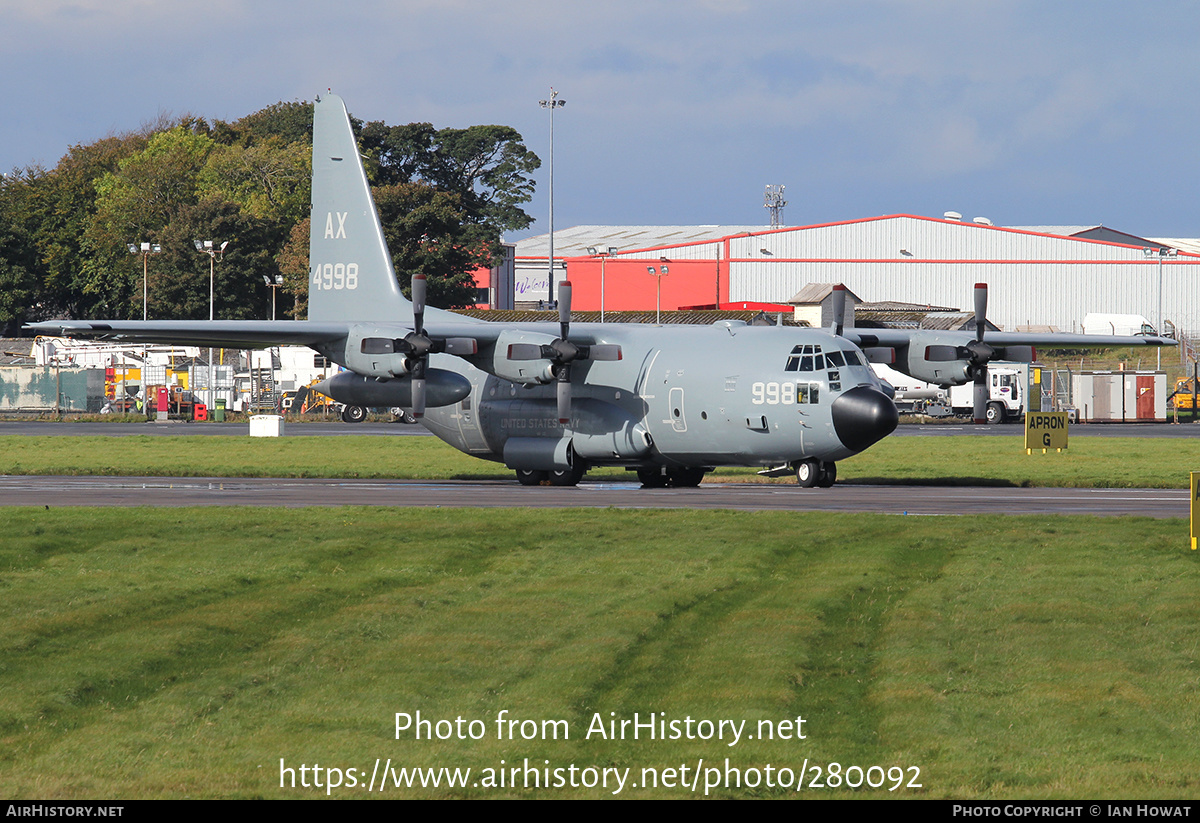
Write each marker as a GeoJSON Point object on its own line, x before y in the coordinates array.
{"type": "Point", "coordinates": [862, 416]}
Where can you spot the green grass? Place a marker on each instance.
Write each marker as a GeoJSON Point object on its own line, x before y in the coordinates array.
{"type": "Point", "coordinates": [182, 653]}
{"type": "Point", "coordinates": [1088, 462]}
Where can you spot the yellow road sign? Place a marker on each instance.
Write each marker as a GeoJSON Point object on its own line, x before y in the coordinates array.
{"type": "Point", "coordinates": [1194, 509]}
{"type": "Point", "coordinates": [1045, 430]}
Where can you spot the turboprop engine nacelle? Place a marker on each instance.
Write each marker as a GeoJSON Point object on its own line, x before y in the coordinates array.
{"type": "Point", "coordinates": [442, 388]}
{"type": "Point", "coordinates": [371, 351]}
{"type": "Point", "coordinates": [928, 360]}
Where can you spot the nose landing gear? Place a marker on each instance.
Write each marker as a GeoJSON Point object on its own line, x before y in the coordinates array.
{"type": "Point", "coordinates": [811, 473]}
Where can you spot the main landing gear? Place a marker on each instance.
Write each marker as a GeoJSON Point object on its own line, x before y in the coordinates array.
{"type": "Point", "coordinates": [679, 478]}
{"type": "Point", "coordinates": [811, 473]}
{"type": "Point", "coordinates": [565, 477]}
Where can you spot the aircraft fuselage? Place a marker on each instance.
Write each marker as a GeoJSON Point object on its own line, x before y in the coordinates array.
{"type": "Point", "coordinates": [684, 396]}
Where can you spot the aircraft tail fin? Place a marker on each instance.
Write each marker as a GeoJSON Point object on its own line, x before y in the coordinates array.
{"type": "Point", "coordinates": [350, 269]}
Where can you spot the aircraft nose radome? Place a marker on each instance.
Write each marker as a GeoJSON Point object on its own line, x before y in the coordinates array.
{"type": "Point", "coordinates": [862, 416]}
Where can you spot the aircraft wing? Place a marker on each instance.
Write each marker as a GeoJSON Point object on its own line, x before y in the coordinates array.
{"type": "Point", "coordinates": [230, 334]}
{"type": "Point", "coordinates": [1048, 340]}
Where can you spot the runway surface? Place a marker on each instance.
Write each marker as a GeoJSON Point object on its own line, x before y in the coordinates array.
{"type": "Point", "coordinates": [910, 500]}
{"type": "Point", "coordinates": [336, 429]}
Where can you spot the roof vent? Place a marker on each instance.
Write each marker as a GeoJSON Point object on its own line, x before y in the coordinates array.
{"type": "Point", "coordinates": [952, 215]}
{"type": "Point", "coordinates": [983, 221]}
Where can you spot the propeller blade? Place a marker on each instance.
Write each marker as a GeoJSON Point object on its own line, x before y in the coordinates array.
{"type": "Point", "coordinates": [564, 397]}
{"type": "Point", "coordinates": [564, 307]}
{"type": "Point", "coordinates": [418, 397]}
{"type": "Point", "coordinates": [418, 301]}
{"type": "Point", "coordinates": [980, 310]}
{"type": "Point", "coordinates": [604, 352]}
{"type": "Point", "coordinates": [418, 387]}
{"type": "Point", "coordinates": [981, 395]}
{"type": "Point", "coordinates": [839, 308]}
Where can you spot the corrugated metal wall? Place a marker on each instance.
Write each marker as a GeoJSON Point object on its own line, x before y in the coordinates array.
{"type": "Point", "coordinates": [1033, 279]}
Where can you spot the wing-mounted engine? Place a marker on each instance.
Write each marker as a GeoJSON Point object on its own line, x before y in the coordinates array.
{"type": "Point", "coordinates": [557, 354]}
{"type": "Point", "coordinates": [373, 352]}
{"type": "Point", "coordinates": [945, 359]}
{"type": "Point", "coordinates": [511, 360]}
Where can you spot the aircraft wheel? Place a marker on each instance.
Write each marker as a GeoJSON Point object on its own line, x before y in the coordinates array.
{"type": "Point", "coordinates": [995, 413]}
{"type": "Point", "coordinates": [568, 477]}
{"type": "Point", "coordinates": [685, 478]}
{"type": "Point", "coordinates": [532, 477]}
{"type": "Point", "coordinates": [354, 414]}
{"type": "Point", "coordinates": [828, 475]}
{"type": "Point", "coordinates": [652, 478]}
{"type": "Point", "coordinates": [807, 472]}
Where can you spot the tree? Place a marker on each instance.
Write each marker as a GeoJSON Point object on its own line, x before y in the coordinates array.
{"type": "Point", "coordinates": [426, 234]}
{"type": "Point", "coordinates": [148, 190]}
{"type": "Point", "coordinates": [487, 167]}
{"type": "Point", "coordinates": [270, 179]}
{"type": "Point", "coordinates": [445, 197]}
{"type": "Point", "coordinates": [18, 258]}
{"type": "Point", "coordinates": [180, 290]}
{"type": "Point", "coordinates": [293, 265]}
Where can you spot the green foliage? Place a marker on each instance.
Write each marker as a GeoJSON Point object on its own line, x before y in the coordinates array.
{"type": "Point", "coordinates": [64, 232]}
{"type": "Point", "coordinates": [271, 180]}
{"type": "Point", "coordinates": [485, 168]}
{"type": "Point", "coordinates": [59, 208]}
{"type": "Point", "coordinates": [427, 234]}
{"type": "Point", "coordinates": [18, 257]}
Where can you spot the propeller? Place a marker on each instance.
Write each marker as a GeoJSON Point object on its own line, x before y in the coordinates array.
{"type": "Point", "coordinates": [980, 354]}
{"type": "Point", "coordinates": [416, 346]}
{"type": "Point", "coordinates": [419, 347]}
{"type": "Point", "coordinates": [839, 308]}
{"type": "Point", "coordinates": [977, 354]}
{"type": "Point", "coordinates": [562, 353]}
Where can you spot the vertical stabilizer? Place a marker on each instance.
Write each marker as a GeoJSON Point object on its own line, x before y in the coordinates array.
{"type": "Point", "coordinates": [350, 270]}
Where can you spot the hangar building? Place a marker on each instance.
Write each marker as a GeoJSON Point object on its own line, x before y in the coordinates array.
{"type": "Point", "coordinates": [1038, 276]}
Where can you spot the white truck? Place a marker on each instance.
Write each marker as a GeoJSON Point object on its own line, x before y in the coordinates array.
{"type": "Point", "coordinates": [1006, 396]}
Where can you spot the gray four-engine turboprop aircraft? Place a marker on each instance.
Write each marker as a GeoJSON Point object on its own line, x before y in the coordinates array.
{"type": "Point", "coordinates": [550, 400]}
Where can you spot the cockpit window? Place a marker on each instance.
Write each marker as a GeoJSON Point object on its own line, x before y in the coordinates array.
{"type": "Point", "coordinates": [802, 358]}
{"type": "Point", "coordinates": [834, 358]}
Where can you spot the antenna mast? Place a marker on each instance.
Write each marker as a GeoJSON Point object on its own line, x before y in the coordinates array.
{"type": "Point", "coordinates": [773, 200]}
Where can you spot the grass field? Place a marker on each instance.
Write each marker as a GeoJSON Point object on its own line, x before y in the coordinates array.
{"type": "Point", "coordinates": [1088, 462]}
{"type": "Point", "coordinates": [183, 653]}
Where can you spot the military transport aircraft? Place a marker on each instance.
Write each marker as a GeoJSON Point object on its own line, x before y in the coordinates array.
{"type": "Point", "coordinates": [550, 400]}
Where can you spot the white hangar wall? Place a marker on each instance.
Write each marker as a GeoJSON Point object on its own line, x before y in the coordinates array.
{"type": "Point", "coordinates": [1033, 278]}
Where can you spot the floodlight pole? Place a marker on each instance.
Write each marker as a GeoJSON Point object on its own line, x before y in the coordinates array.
{"type": "Point", "coordinates": [603, 255]}
{"type": "Point", "coordinates": [658, 274]}
{"type": "Point", "coordinates": [213, 252]}
{"type": "Point", "coordinates": [145, 250]}
{"type": "Point", "coordinates": [552, 104]}
{"type": "Point", "coordinates": [1160, 253]}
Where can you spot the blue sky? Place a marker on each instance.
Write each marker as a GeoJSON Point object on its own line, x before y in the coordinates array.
{"type": "Point", "coordinates": [677, 112]}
